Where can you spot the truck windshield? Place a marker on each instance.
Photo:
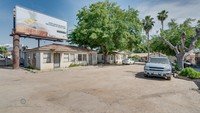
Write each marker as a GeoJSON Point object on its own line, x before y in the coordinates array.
{"type": "Point", "coordinates": [159, 60]}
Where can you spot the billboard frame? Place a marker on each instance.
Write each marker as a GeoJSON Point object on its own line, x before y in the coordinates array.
{"type": "Point", "coordinates": [16, 36]}
{"type": "Point", "coordinates": [26, 35]}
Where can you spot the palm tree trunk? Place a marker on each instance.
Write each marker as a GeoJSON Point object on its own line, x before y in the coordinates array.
{"type": "Point", "coordinates": [148, 46]}
{"type": "Point", "coordinates": [162, 25]}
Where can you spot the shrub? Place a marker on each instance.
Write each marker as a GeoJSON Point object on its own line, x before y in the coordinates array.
{"type": "Point", "coordinates": [190, 73]}
{"type": "Point", "coordinates": [176, 67]}
{"type": "Point", "coordinates": [30, 67]}
{"type": "Point", "coordinates": [135, 57]}
{"type": "Point", "coordinates": [74, 65]}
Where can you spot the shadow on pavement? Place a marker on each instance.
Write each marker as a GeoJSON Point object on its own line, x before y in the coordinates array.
{"type": "Point", "coordinates": [139, 63]}
{"type": "Point", "coordinates": [141, 76]}
{"type": "Point", "coordinates": [6, 67]}
{"type": "Point", "coordinates": [108, 65]}
{"type": "Point", "coordinates": [197, 82]}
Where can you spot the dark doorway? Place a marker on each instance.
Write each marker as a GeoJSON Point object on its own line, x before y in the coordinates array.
{"type": "Point", "coordinates": [56, 60]}
{"type": "Point", "coordinates": [34, 60]}
{"type": "Point", "coordinates": [90, 59]}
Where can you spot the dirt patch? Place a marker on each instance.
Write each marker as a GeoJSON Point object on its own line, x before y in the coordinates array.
{"type": "Point", "coordinates": [96, 89]}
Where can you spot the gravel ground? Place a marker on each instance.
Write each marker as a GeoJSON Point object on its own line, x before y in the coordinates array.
{"type": "Point", "coordinates": [95, 89]}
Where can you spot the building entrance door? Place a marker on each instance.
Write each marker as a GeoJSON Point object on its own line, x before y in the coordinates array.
{"type": "Point", "coordinates": [90, 59]}
{"type": "Point", "coordinates": [34, 60]}
{"type": "Point", "coordinates": [56, 60]}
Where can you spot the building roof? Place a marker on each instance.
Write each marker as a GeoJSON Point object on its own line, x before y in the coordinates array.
{"type": "Point", "coordinates": [140, 54]}
{"type": "Point", "coordinates": [146, 54]}
{"type": "Point", "coordinates": [121, 52]}
{"type": "Point", "coordinates": [61, 48]}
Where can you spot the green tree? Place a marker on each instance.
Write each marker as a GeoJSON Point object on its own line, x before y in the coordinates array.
{"type": "Point", "coordinates": [142, 46]}
{"type": "Point", "coordinates": [162, 16]}
{"type": "Point", "coordinates": [135, 37]}
{"type": "Point", "coordinates": [3, 50]}
{"type": "Point", "coordinates": [106, 26]}
{"type": "Point", "coordinates": [179, 40]}
{"type": "Point", "coordinates": [148, 24]}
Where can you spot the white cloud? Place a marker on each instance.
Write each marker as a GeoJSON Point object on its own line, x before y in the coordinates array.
{"type": "Point", "coordinates": [177, 10]}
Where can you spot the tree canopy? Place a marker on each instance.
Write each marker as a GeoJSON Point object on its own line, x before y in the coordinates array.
{"type": "Point", "coordinates": [162, 16]}
{"type": "Point", "coordinates": [106, 26]}
{"type": "Point", "coordinates": [148, 24]}
{"type": "Point", "coordinates": [3, 50]}
{"type": "Point", "coordinates": [179, 40]}
{"type": "Point", "coordinates": [173, 35]}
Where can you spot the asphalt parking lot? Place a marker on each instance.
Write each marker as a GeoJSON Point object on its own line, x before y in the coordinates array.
{"type": "Point", "coordinates": [95, 89]}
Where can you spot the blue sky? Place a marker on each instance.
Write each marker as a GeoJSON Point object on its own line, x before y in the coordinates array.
{"type": "Point", "coordinates": [67, 10]}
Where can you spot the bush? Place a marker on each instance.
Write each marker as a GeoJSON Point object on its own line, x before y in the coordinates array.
{"type": "Point", "coordinates": [135, 57]}
{"type": "Point", "coordinates": [30, 67]}
{"type": "Point", "coordinates": [74, 65]}
{"type": "Point", "coordinates": [176, 67]}
{"type": "Point", "coordinates": [190, 73]}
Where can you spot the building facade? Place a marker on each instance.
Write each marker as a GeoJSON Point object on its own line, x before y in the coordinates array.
{"type": "Point", "coordinates": [58, 56]}
{"type": "Point", "coordinates": [114, 58]}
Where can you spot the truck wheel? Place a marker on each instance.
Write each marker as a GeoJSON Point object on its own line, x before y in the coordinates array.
{"type": "Point", "coordinates": [174, 75]}
{"type": "Point", "coordinates": [145, 75]}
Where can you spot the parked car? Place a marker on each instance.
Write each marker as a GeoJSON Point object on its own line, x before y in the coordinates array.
{"type": "Point", "coordinates": [187, 64]}
{"type": "Point", "coordinates": [158, 66]}
{"type": "Point", "coordinates": [1, 56]}
{"type": "Point", "coordinates": [128, 61]}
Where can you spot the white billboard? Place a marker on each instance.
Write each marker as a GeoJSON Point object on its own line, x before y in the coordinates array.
{"type": "Point", "coordinates": [32, 23]}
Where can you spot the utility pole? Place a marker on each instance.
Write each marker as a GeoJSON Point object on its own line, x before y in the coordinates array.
{"type": "Point", "coordinates": [38, 43]}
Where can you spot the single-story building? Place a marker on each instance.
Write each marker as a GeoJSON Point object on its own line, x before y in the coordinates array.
{"type": "Point", "coordinates": [58, 56]}
{"type": "Point", "coordinates": [5, 61]}
{"type": "Point", "coordinates": [116, 57]}
{"type": "Point", "coordinates": [197, 58]}
{"type": "Point", "coordinates": [144, 56]}
{"type": "Point", "coordinates": [191, 58]}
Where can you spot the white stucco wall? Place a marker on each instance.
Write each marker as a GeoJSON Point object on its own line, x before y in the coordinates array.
{"type": "Point", "coordinates": [49, 66]}
{"type": "Point", "coordinates": [82, 62]}
{"type": "Point", "coordinates": [94, 59]}
{"type": "Point", "coordinates": [40, 64]}
{"type": "Point", "coordinates": [38, 60]}
{"type": "Point", "coordinates": [118, 58]}
{"type": "Point", "coordinates": [62, 63]}
{"type": "Point", "coordinates": [46, 66]}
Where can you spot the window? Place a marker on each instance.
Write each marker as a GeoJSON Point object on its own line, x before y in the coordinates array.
{"type": "Point", "coordinates": [102, 57]}
{"type": "Point", "coordinates": [47, 58]}
{"type": "Point", "coordinates": [79, 57]}
{"type": "Point", "coordinates": [66, 57]}
{"type": "Point", "coordinates": [111, 57]}
{"type": "Point", "coordinates": [72, 58]}
{"type": "Point", "coordinates": [1, 56]}
{"type": "Point", "coordinates": [159, 60]}
{"type": "Point", "coordinates": [82, 57]}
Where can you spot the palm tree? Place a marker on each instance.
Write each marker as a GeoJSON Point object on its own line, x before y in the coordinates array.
{"type": "Point", "coordinates": [3, 50]}
{"type": "Point", "coordinates": [162, 16]}
{"type": "Point", "coordinates": [148, 24]}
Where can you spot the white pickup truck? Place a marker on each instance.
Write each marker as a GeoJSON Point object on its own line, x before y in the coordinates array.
{"type": "Point", "coordinates": [158, 66]}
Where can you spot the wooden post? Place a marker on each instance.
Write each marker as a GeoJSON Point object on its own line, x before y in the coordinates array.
{"type": "Point", "coordinates": [16, 42]}
{"type": "Point", "coordinates": [38, 43]}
